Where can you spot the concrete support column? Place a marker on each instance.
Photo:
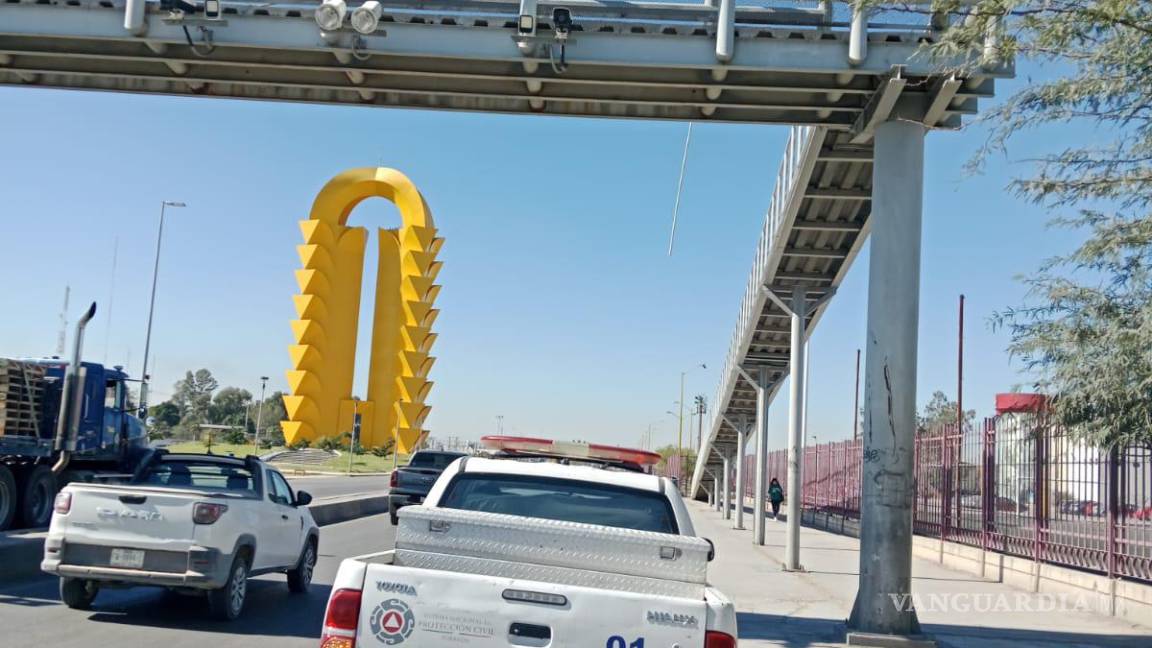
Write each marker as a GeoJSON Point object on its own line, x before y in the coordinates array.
{"type": "Point", "coordinates": [760, 481]}
{"type": "Point", "coordinates": [887, 477]}
{"type": "Point", "coordinates": [799, 308]}
{"type": "Point", "coordinates": [727, 504]}
{"type": "Point", "coordinates": [741, 442]}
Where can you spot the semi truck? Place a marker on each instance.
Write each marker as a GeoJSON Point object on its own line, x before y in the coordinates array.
{"type": "Point", "coordinates": [62, 421]}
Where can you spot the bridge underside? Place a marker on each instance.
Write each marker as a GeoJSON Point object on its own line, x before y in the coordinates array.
{"type": "Point", "coordinates": [622, 60]}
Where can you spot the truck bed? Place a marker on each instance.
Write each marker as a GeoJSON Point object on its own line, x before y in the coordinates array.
{"type": "Point", "coordinates": [552, 551]}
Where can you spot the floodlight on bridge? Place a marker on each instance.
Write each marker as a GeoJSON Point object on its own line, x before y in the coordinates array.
{"type": "Point", "coordinates": [330, 14]}
{"type": "Point", "coordinates": [366, 18]}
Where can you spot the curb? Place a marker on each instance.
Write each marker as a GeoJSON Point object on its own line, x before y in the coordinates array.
{"type": "Point", "coordinates": [23, 550]}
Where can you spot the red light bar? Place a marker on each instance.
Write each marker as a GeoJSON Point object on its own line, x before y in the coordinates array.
{"type": "Point", "coordinates": [573, 450]}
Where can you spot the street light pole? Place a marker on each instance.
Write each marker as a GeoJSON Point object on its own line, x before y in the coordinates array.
{"type": "Point", "coordinates": [355, 432]}
{"type": "Point", "coordinates": [259, 417]}
{"type": "Point", "coordinates": [151, 309]}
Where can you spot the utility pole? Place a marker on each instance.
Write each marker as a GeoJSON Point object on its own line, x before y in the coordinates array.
{"type": "Point", "coordinates": [60, 339]}
{"type": "Point", "coordinates": [259, 417]}
{"type": "Point", "coordinates": [701, 407]}
{"type": "Point", "coordinates": [355, 432]}
{"type": "Point", "coordinates": [500, 424]}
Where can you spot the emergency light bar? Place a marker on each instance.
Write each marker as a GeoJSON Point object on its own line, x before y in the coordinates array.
{"type": "Point", "coordinates": [570, 450]}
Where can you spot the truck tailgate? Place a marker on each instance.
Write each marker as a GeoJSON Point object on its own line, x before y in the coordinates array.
{"type": "Point", "coordinates": [128, 516]}
{"type": "Point", "coordinates": [430, 608]}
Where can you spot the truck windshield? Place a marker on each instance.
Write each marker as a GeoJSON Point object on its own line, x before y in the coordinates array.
{"type": "Point", "coordinates": [200, 474]}
{"type": "Point", "coordinates": [561, 499]}
{"type": "Point", "coordinates": [437, 460]}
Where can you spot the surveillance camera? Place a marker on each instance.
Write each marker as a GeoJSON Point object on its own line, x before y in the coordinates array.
{"type": "Point", "coordinates": [562, 20]}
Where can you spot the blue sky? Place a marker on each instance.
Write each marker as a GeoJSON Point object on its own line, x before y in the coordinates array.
{"type": "Point", "coordinates": [560, 309]}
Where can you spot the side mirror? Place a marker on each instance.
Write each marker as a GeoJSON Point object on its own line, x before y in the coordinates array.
{"type": "Point", "coordinates": [303, 498]}
{"type": "Point", "coordinates": [711, 549]}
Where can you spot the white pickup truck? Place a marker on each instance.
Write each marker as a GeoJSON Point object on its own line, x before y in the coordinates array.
{"type": "Point", "coordinates": [513, 553]}
{"type": "Point", "coordinates": [190, 522]}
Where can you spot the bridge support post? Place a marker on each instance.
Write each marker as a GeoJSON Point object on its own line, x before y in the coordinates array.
{"type": "Point", "coordinates": [741, 476]}
{"type": "Point", "coordinates": [727, 488]}
{"type": "Point", "coordinates": [883, 603]}
{"type": "Point", "coordinates": [796, 384]}
{"type": "Point", "coordinates": [760, 481]}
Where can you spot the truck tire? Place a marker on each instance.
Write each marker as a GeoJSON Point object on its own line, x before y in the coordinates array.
{"type": "Point", "coordinates": [9, 498]}
{"type": "Point", "coordinates": [300, 577]}
{"type": "Point", "coordinates": [78, 593]}
{"type": "Point", "coordinates": [226, 603]}
{"type": "Point", "coordinates": [37, 496]}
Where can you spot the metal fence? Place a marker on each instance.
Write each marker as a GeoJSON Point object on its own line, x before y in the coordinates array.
{"type": "Point", "coordinates": [1010, 484]}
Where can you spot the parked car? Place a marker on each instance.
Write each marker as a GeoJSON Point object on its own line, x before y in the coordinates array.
{"type": "Point", "coordinates": [516, 553]}
{"type": "Point", "coordinates": [410, 484]}
{"type": "Point", "coordinates": [190, 522]}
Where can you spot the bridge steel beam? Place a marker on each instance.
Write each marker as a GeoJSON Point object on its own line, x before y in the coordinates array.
{"type": "Point", "coordinates": [741, 446]}
{"type": "Point", "coordinates": [763, 383]}
{"type": "Point", "coordinates": [796, 388]}
{"type": "Point", "coordinates": [890, 386]}
{"type": "Point", "coordinates": [628, 59]}
{"type": "Point", "coordinates": [727, 487]}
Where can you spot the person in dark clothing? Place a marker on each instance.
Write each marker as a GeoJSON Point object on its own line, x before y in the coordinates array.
{"type": "Point", "coordinates": [775, 496]}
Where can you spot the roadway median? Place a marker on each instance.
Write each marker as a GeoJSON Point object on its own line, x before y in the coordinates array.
{"type": "Point", "coordinates": [21, 551]}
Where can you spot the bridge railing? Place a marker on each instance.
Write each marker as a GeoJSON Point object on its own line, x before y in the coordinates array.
{"type": "Point", "coordinates": [799, 156]}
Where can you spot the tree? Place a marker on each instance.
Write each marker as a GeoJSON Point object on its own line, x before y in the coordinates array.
{"type": "Point", "coordinates": [1086, 327]}
{"type": "Point", "coordinates": [230, 405]}
{"type": "Point", "coordinates": [193, 396]}
{"type": "Point", "coordinates": [166, 413]}
{"type": "Point", "coordinates": [940, 411]}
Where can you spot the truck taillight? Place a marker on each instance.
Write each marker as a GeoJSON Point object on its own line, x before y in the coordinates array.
{"type": "Point", "coordinates": [63, 503]}
{"type": "Point", "coordinates": [341, 619]}
{"type": "Point", "coordinates": [207, 513]}
{"type": "Point", "coordinates": [713, 639]}
{"type": "Point", "coordinates": [394, 480]}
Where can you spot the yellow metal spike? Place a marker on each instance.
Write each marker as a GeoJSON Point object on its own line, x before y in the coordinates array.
{"type": "Point", "coordinates": [314, 257]}
{"type": "Point", "coordinates": [296, 431]}
{"type": "Point", "coordinates": [416, 262]}
{"type": "Point", "coordinates": [434, 270]}
{"type": "Point", "coordinates": [417, 238]}
{"type": "Point", "coordinates": [430, 318]}
{"type": "Point", "coordinates": [416, 287]}
{"type": "Point", "coordinates": [412, 415]}
{"type": "Point", "coordinates": [317, 232]}
{"type": "Point", "coordinates": [432, 294]}
{"type": "Point", "coordinates": [414, 337]}
{"type": "Point", "coordinates": [308, 332]}
{"type": "Point", "coordinates": [300, 408]}
{"type": "Point", "coordinates": [312, 282]}
{"type": "Point", "coordinates": [415, 312]}
{"type": "Point", "coordinates": [413, 389]}
{"type": "Point", "coordinates": [310, 307]}
{"type": "Point", "coordinates": [435, 246]}
{"type": "Point", "coordinates": [304, 383]}
{"type": "Point", "coordinates": [305, 356]}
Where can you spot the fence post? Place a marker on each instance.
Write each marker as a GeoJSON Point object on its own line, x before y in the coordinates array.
{"type": "Point", "coordinates": [946, 484]}
{"type": "Point", "coordinates": [1113, 481]}
{"type": "Point", "coordinates": [1041, 434]}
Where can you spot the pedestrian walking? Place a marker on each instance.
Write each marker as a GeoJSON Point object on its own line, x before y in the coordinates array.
{"type": "Point", "coordinates": [775, 496]}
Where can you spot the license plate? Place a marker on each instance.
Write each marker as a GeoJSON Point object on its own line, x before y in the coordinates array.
{"type": "Point", "coordinates": [130, 558]}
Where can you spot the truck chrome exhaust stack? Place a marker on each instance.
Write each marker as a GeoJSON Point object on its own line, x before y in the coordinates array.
{"type": "Point", "coordinates": [71, 398]}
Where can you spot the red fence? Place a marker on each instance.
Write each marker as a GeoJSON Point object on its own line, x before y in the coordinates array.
{"type": "Point", "coordinates": [1009, 484]}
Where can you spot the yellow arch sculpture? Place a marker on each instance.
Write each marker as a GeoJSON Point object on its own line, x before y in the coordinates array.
{"type": "Point", "coordinates": [328, 309]}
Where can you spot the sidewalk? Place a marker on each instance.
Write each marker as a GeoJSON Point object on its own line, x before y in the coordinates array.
{"type": "Point", "coordinates": [798, 610]}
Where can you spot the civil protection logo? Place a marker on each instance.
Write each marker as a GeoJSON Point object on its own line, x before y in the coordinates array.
{"type": "Point", "coordinates": [392, 622]}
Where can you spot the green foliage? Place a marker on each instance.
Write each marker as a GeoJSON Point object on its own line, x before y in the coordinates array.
{"type": "Point", "coordinates": [1085, 329]}
{"type": "Point", "coordinates": [300, 444]}
{"type": "Point", "coordinates": [230, 406]}
{"type": "Point", "coordinates": [329, 443]}
{"type": "Point", "coordinates": [192, 395]}
{"type": "Point", "coordinates": [166, 413]}
{"type": "Point", "coordinates": [234, 436]}
{"type": "Point", "coordinates": [940, 411]}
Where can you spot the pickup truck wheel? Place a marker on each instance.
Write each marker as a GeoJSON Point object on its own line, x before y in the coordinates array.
{"type": "Point", "coordinates": [8, 498]}
{"type": "Point", "coordinates": [78, 593]}
{"type": "Point", "coordinates": [225, 603]}
{"type": "Point", "coordinates": [301, 577]}
{"type": "Point", "coordinates": [37, 492]}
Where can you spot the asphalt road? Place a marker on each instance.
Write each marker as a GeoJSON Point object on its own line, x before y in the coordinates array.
{"type": "Point", "coordinates": [324, 486]}
{"type": "Point", "coordinates": [32, 615]}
